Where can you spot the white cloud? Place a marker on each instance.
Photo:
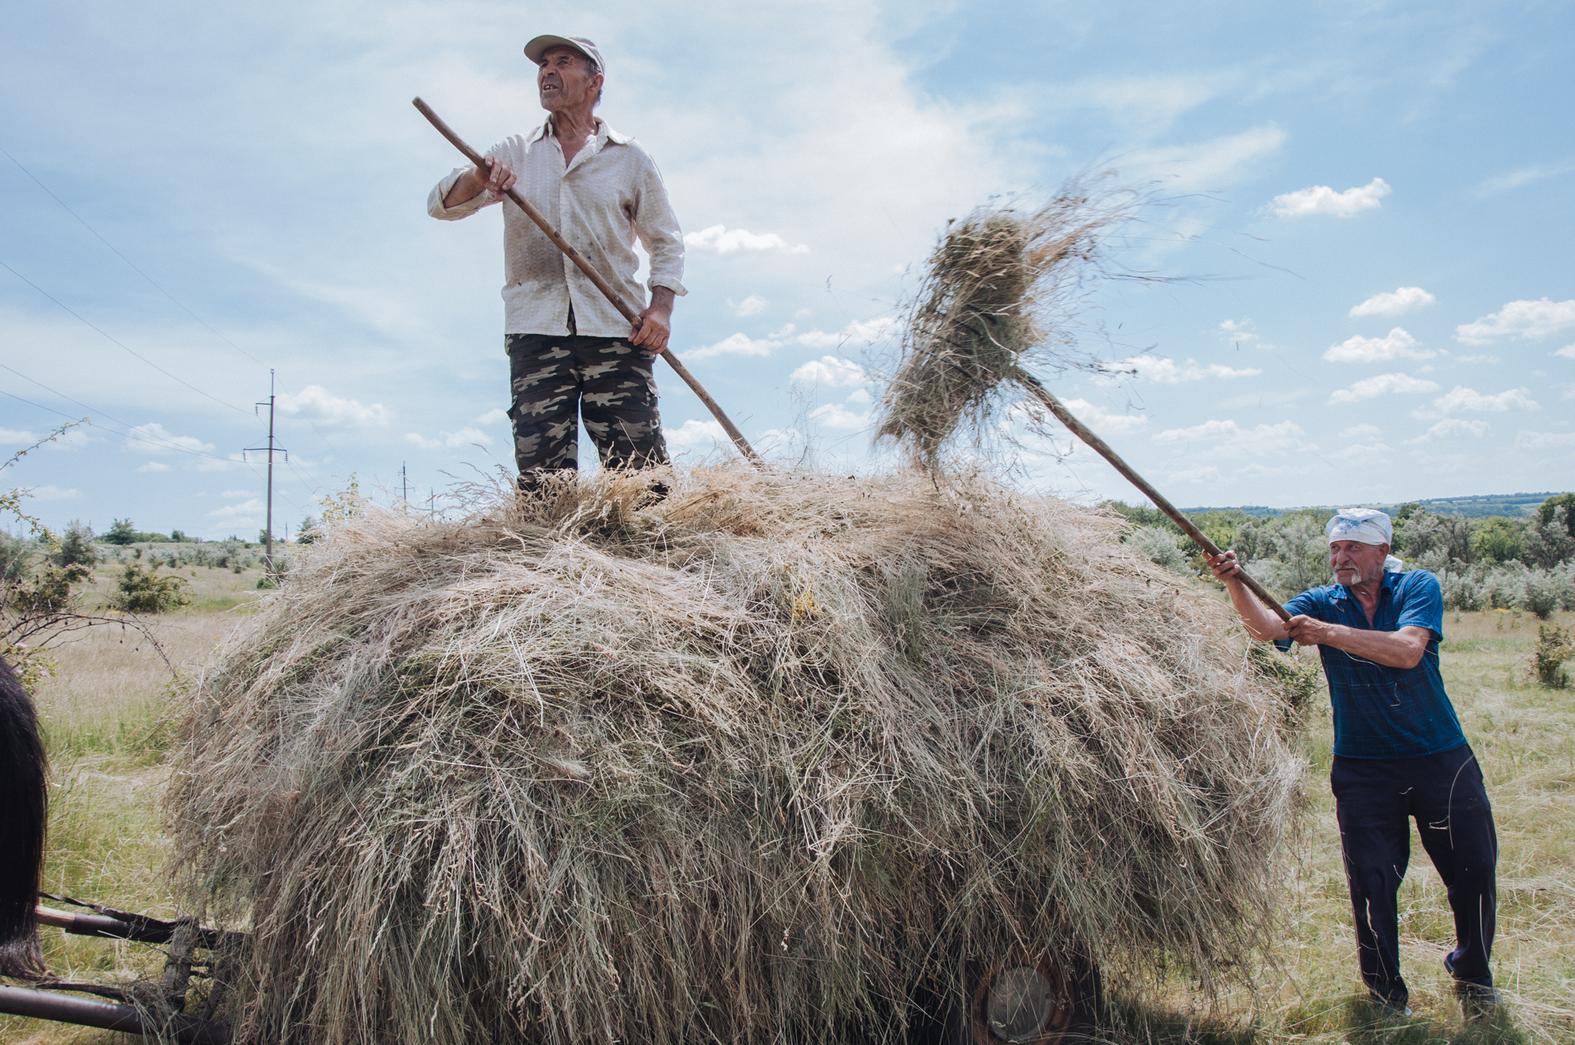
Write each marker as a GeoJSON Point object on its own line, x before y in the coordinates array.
{"type": "Point", "coordinates": [18, 436]}
{"type": "Point", "coordinates": [153, 467]}
{"type": "Point", "coordinates": [1522, 176]}
{"type": "Point", "coordinates": [314, 404]}
{"type": "Point", "coordinates": [495, 416]}
{"type": "Point", "coordinates": [1397, 344]}
{"type": "Point", "coordinates": [1204, 165]}
{"type": "Point", "coordinates": [467, 436]}
{"type": "Point", "coordinates": [1321, 199]}
{"type": "Point", "coordinates": [858, 332]}
{"type": "Point", "coordinates": [831, 371]}
{"type": "Point", "coordinates": [1452, 426]}
{"type": "Point", "coordinates": [1545, 440]}
{"type": "Point", "coordinates": [1476, 358]}
{"type": "Point", "coordinates": [1238, 332]}
{"type": "Point", "coordinates": [835, 415]}
{"type": "Point", "coordinates": [1393, 302]}
{"type": "Point", "coordinates": [1102, 420]}
{"type": "Point", "coordinates": [1567, 352]}
{"type": "Point", "coordinates": [1522, 320]}
{"type": "Point", "coordinates": [752, 305]}
{"type": "Point", "coordinates": [250, 512]}
{"type": "Point", "coordinates": [1459, 399]}
{"type": "Point", "coordinates": [1361, 431]}
{"type": "Point", "coordinates": [1382, 385]}
{"type": "Point", "coordinates": [153, 438]}
{"type": "Point", "coordinates": [723, 240]}
{"type": "Point", "coordinates": [707, 436]}
{"type": "Point", "coordinates": [50, 492]}
{"type": "Point", "coordinates": [69, 440]}
{"type": "Point", "coordinates": [1165, 371]}
{"type": "Point", "coordinates": [736, 345]}
{"type": "Point", "coordinates": [1281, 437]}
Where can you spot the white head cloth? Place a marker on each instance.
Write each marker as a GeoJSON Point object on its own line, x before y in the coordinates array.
{"type": "Point", "coordinates": [1364, 525]}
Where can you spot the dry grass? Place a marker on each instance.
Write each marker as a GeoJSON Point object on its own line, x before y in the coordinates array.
{"type": "Point", "coordinates": [739, 766]}
{"type": "Point", "coordinates": [998, 295]}
{"type": "Point", "coordinates": [1524, 736]}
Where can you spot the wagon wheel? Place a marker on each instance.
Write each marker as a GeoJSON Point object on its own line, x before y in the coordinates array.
{"type": "Point", "coordinates": [1040, 1002]}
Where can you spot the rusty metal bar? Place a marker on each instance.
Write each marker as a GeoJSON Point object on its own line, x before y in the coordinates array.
{"type": "Point", "coordinates": [44, 1005]}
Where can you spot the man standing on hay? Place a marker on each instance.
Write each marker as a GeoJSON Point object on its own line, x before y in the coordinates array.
{"type": "Point", "coordinates": [1399, 751]}
{"type": "Point", "coordinates": [570, 350]}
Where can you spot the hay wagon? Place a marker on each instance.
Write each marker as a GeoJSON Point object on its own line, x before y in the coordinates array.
{"type": "Point", "coordinates": [1000, 1004]}
{"type": "Point", "coordinates": [871, 758]}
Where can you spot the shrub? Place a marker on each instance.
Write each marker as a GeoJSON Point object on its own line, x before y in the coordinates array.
{"type": "Point", "coordinates": [76, 547]}
{"type": "Point", "coordinates": [146, 591]}
{"type": "Point", "coordinates": [1159, 546]}
{"type": "Point", "coordinates": [1542, 593]}
{"type": "Point", "coordinates": [1497, 539]}
{"type": "Point", "coordinates": [1554, 647]}
{"type": "Point", "coordinates": [15, 556]}
{"type": "Point", "coordinates": [120, 532]}
{"type": "Point", "coordinates": [48, 590]}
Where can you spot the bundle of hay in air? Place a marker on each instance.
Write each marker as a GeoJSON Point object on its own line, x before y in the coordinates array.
{"type": "Point", "coordinates": [998, 294]}
{"type": "Point", "coordinates": [744, 765]}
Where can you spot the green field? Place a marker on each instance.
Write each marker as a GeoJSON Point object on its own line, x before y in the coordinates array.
{"type": "Point", "coordinates": [103, 716]}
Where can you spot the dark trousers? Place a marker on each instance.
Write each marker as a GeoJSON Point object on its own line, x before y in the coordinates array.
{"type": "Point", "coordinates": [1374, 801]}
{"type": "Point", "coordinates": [554, 381]}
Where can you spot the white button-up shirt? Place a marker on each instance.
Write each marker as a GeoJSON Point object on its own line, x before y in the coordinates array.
{"type": "Point", "coordinates": [607, 199]}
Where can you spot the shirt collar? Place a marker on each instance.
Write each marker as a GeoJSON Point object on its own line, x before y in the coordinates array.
{"type": "Point", "coordinates": [604, 133]}
{"type": "Point", "coordinates": [1391, 578]}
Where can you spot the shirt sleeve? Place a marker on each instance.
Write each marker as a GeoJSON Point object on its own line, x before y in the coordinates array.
{"type": "Point", "coordinates": [1307, 603]}
{"type": "Point", "coordinates": [459, 210]}
{"type": "Point", "coordinates": [656, 226]}
{"type": "Point", "coordinates": [484, 198]}
{"type": "Point", "coordinates": [1422, 603]}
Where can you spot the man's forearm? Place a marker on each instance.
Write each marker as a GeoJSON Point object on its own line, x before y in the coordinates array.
{"type": "Point", "coordinates": [466, 188]}
{"type": "Point", "coordinates": [1262, 624]}
{"type": "Point", "coordinates": [1392, 649]}
{"type": "Point", "coordinates": [662, 299]}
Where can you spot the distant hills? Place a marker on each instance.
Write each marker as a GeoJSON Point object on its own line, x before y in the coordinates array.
{"type": "Point", "coordinates": [1476, 507]}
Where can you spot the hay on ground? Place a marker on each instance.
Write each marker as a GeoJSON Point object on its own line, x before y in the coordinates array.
{"type": "Point", "coordinates": [742, 766]}
{"type": "Point", "coordinates": [997, 294]}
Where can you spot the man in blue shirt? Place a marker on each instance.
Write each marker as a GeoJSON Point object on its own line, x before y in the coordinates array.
{"type": "Point", "coordinates": [1399, 752]}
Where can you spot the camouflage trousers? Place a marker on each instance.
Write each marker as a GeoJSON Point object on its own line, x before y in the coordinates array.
{"type": "Point", "coordinates": [554, 380]}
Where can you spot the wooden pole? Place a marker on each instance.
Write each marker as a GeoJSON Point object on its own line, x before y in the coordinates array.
{"type": "Point", "coordinates": [602, 285]}
{"type": "Point", "coordinates": [1099, 446]}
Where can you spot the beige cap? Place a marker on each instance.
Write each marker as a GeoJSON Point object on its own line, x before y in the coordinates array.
{"type": "Point", "coordinates": [539, 46]}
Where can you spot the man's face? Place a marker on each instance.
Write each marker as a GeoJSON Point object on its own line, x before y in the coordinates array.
{"type": "Point", "coordinates": [564, 80]}
{"type": "Point", "coordinates": [1354, 562]}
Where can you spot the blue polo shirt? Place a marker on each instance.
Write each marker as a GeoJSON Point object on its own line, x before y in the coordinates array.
{"type": "Point", "coordinates": [1384, 712]}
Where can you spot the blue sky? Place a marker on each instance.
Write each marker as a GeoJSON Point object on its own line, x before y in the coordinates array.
{"type": "Point", "coordinates": [1371, 203]}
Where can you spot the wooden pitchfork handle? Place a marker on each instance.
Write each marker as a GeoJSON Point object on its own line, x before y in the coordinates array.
{"type": "Point", "coordinates": [602, 285]}
{"type": "Point", "coordinates": [1080, 430]}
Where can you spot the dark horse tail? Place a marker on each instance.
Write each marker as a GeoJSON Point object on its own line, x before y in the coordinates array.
{"type": "Point", "coordinates": [24, 810]}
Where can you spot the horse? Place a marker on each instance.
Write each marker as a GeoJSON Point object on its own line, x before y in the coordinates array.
{"type": "Point", "coordinates": [24, 815]}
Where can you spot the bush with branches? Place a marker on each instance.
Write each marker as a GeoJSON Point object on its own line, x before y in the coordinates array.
{"type": "Point", "coordinates": [148, 591]}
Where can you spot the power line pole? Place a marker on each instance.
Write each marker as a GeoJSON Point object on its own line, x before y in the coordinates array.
{"type": "Point", "coordinates": [271, 449]}
{"type": "Point", "coordinates": [404, 485]}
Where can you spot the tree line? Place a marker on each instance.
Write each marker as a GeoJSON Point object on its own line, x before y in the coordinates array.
{"type": "Point", "coordinates": [1491, 562]}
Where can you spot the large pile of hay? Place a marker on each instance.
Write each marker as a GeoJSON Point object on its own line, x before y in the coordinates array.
{"type": "Point", "coordinates": [740, 766]}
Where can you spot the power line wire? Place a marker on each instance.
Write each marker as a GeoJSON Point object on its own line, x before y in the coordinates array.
{"type": "Point", "coordinates": [113, 340]}
{"type": "Point", "coordinates": [134, 267]}
{"type": "Point", "coordinates": [126, 431]}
